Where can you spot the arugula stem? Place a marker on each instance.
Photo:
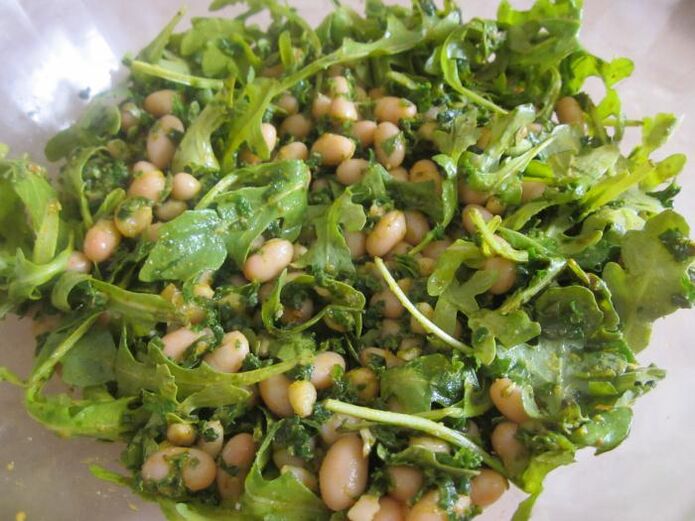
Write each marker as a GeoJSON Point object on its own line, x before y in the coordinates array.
{"type": "Point", "coordinates": [540, 282]}
{"type": "Point", "coordinates": [197, 82]}
{"type": "Point", "coordinates": [425, 322]}
{"type": "Point", "coordinates": [216, 190]}
{"type": "Point", "coordinates": [415, 423]}
{"type": "Point", "coordinates": [44, 371]}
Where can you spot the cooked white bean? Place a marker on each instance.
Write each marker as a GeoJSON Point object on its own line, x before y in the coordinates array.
{"type": "Point", "coordinates": [426, 266]}
{"type": "Point", "coordinates": [129, 116]}
{"type": "Point", "coordinates": [240, 451]}
{"type": "Point", "coordinates": [507, 397]}
{"type": "Point", "coordinates": [506, 274]}
{"type": "Point", "coordinates": [132, 217]}
{"type": "Point", "coordinates": [399, 174]}
{"type": "Point", "coordinates": [343, 110]}
{"type": "Point", "coordinates": [334, 428]}
{"type": "Point", "coordinates": [79, 263]}
{"type": "Point", "coordinates": [282, 457]}
{"type": "Point", "coordinates": [147, 183]}
{"type": "Point", "coordinates": [211, 438]}
{"type": "Point", "coordinates": [391, 306]}
{"type": "Point", "coordinates": [184, 187]}
{"type": "Point", "coordinates": [404, 482]}
{"type": "Point", "coordinates": [390, 510]}
{"type": "Point", "coordinates": [427, 508]}
{"type": "Point", "coordinates": [198, 468]}
{"type": "Point", "coordinates": [323, 365]}
{"type": "Point", "coordinates": [302, 396]}
{"type": "Point", "coordinates": [470, 196]}
{"type": "Point", "coordinates": [270, 135]}
{"type": "Point", "coordinates": [425, 309]}
{"type": "Point", "coordinates": [365, 382]}
{"type": "Point", "coordinates": [363, 131]}
{"type": "Point", "coordinates": [343, 474]}
{"type": "Point", "coordinates": [269, 261]}
{"type": "Point", "coordinates": [288, 103]}
{"type": "Point", "coordinates": [510, 450]}
{"type": "Point", "coordinates": [177, 342]}
{"type": "Point", "coordinates": [390, 327]}
{"type": "Point", "coordinates": [468, 224]}
{"type": "Point", "coordinates": [333, 149]}
{"type": "Point", "coordinates": [376, 93]}
{"type": "Point", "coordinates": [298, 315]}
{"type": "Point", "coordinates": [351, 171]}
{"type": "Point", "coordinates": [321, 106]}
{"type": "Point", "coordinates": [275, 394]}
{"type": "Point", "coordinates": [426, 170]}
{"type": "Point", "coordinates": [230, 355]}
{"type": "Point", "coordinates": [568, 111]}
{"type": "Point", "coordinates": [181, 434]}
{"type": "Point", "coordinates": [487, 487]}
{"type": "Point", "coordinates": [230, 487]}
{"type": "Point", "coordinates": [294, 150]}
{"type": "Point", "coordinates": [160, 103]}
{"type": "Point", "coordinates": [302, 475]}
{"type": "Point", "coordinates": [365, 509]}
{"type": "Point", "coordinates": [170, 210]}
{"type": "Point", "coordinates": [389, 231]}
{"type": "Point", "coordinates": [339, 86]}
{"type": "Point", "coordinates": [495, 206]}
{"type": "Point", "coordinates": [417, 226]}
{"type": "Point", "coordinates": [531, 190]}
{"type": "Point", "coordinates": [357, 242]}
{"type": "Point", "coordinates": [427, 130]}
{"type": "Point", "coordinates": [389, 145]}
{"type": "Point", "coordinates": [101, 241]}
{"type": "Point", "coordinates": [394, 109]}
{"type": "Point", "coordinates": [160, 148]}
{"type": "Point", "coordinates": [434, 249]}
{"type": "Point", "coordinates": [298, 126]}
{"type": "Point", "coordinates": [249, 158]}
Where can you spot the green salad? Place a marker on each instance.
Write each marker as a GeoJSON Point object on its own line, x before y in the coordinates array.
{"type": "Point", "coordinates": [379, 270]}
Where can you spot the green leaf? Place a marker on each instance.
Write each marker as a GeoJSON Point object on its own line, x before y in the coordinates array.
{"type": "Point", "coordinates": [91, 361]}
{"type": "Point", "coordinates": [100, 121]}
{"type": "Point", "coordinates": [152, 53]}
{"type": "Point", "coordinates": [195, 151]}
{"type": "Point", "coordinates": [190, 244]}
{"type": "Point", "coordinates": [281, 498]}
{"type": "Point", "coordinates": [330, 252]}
{"type": "Point", "coordinates": [649, 284]}
{"type": "Point", "coordinates": [568, 312]}
{"type": "Point", "coordinates": [605, 431]}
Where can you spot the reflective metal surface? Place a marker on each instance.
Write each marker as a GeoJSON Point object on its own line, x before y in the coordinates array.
{"type": "Point", "coordinates": [50, 50]}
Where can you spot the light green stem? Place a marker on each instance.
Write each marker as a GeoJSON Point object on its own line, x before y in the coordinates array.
{"type": "Point", "coordinates": [415, 423]}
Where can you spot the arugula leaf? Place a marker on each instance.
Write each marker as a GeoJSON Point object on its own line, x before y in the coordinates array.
{"type": "Point", "coordinates": [190, 244]}
{"type": "Point", "coordinates": [649, 285]}
{"type": "Point", "coordinates": [195, 151]}
{"type": "Point", "coordinates": [330, 252]}
{"type": "Point", "coordinates": [91, 361]}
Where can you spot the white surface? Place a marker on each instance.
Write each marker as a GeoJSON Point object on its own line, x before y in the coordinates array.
{"type": "Point", "coordinates": [52, 49]}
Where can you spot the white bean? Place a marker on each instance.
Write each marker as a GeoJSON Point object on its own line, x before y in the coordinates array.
{"type": "Point", "coordinates": [404, 482]}
{"type": "Point", "coordinates": [239, 451]}
{"type": "Point", "coordinates": [198, 468]}
{"type": "Point", "coordinates": [430, 443]}
{"type": "Point", "coordinates": [343, 474]}
{"type": "Point", "coordinates": [391, 306]}
{"type": "Point", "coordinates": [269, 261]}
{"type": "Point", "coordinates": [568, 111]}
{"type": "Point", "coordinates": [275, 394]}
{"type": "Point", "coordinates": [365, 509]}
{"type": "Point", "coordinates": [302, 396]}
{"type": "Point", "coordinates": [339, 86]}
{"type": "Point", "coordinates": [389, 231]}
{"type": "Point", "coordinates": [434, 249]}
{"type": "Point", "coordinates": [399, 174]}
{"type": "Point", "coordinates": [288, 103]}
{"type": "Point", "coordinates": [394, 109]}
{"type": "Point", "coordinates": [417, 226]}
{"type": "Point", "coordinates": [177, 342]}
{"type": "Point", "coordinates": [510, 450]}
{"type": "Point", "coordinates": [531, 190]}
{"type": "Point", "coordinates": [487, 487]}
{"type": "Point", "coordinates": [390, 510]}
{"type": "Point", "coordinates": [181, 434]}
{"type": "Point", "coordinates": [363, 131]}
{"type": "Point", "coordinates": [295, 150]}
{"type": "Point", "coordinates": [333, 149]}
{"type": "Point", "coordinates": [170, 210]}
{"type": "Point", "coordinates": [507, 397]}
{"type": "Point", "coordinates": [343, 110]}
{"type": "Point", "coordinates": [506, 274]}
{"type": "Point", "coordinates": [101, 241]}
{"type": "Point", "coordinates": [147, 183]}
{"type": "Point", "coordinates": [211, 438]}
{"type": "Point", "coordinates": [468, 224]}
{"type": "Point", "coordinates": [298, 126]}
{"type": "Point", "coordinates": [365, 382]}
{"type": "Point", "coordinates": [229, 357]}
{"type": "Point", "coordinates": [470, 196]}
{"type": "Point", "coordinates": [426, 170]}
{"type": "Point", "coordinates": [160, 103]}
{"type": "Point", "coordinates": [332, 429]}
{"type": "Point", "coordinates": [184, 187]}
{"type": "Point", "coordinates": [133, 217]}
{"type": "Point", "coordinates": [323, 365]}
{"type": "Point", "coordinates": [389, 145]}
{"type": "Point", "coordinates": [356, 242]}
{"type": "Point", "coordinates": [79, 263]}
{"type": "Point", "coordinates": [321, 106]}
{"type": "Point", "coordinates": [160, 148]}
{"type": "Point", "coordinates": [351, 171]}
{"type": "Point", "coordinates": [270, 135]}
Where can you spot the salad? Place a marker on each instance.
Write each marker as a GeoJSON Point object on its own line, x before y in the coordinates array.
{"type": "Point", "coordinates": [379, 270]}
